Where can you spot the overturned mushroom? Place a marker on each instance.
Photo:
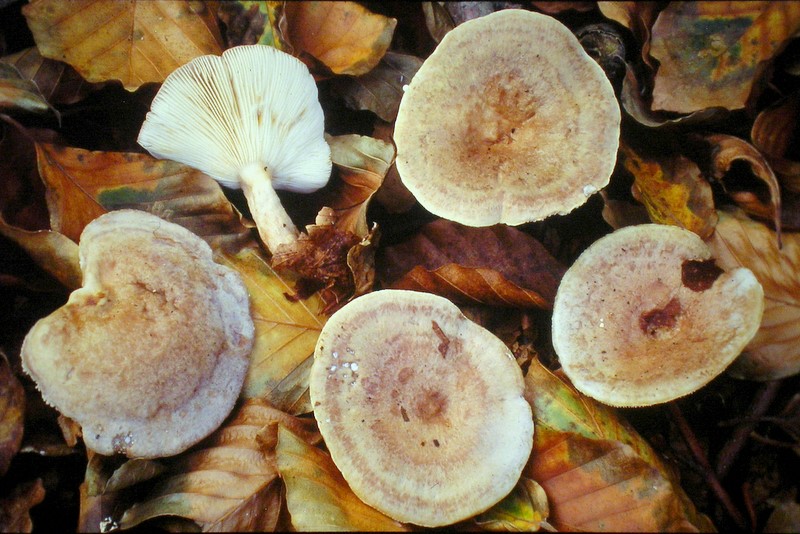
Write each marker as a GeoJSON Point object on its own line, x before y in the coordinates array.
{"type": "Point", "coordinates": [248, 119]}
{"type": "Point", "coordinates": [422, 410]}
{"type": "Point", "coordinates": [150, 355]}
{"type": "Point", "coordinates": [644, 316]}
{"type": "Point", "coordinates": [508, 121]}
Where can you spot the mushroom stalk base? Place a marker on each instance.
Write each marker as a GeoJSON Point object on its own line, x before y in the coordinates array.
{"type": "Point", "coordinates": [274, 225]}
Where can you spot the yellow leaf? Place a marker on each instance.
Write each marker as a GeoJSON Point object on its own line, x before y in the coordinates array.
{"type": "Point", "coordinates": [673, 191]}
{"type": "Point", "coordinates": [774, 352]}
{"type": "Point", "coordinates": [317, 496]}
{"type": "Point", "coordinates": [598, 473]}
{"type": "Point", "coordinates": [286, 333]}
{"type": "Point", "coordinates": [525, 509]}
{"type": "Point", "coordinates": [344, 36]}
{"type": "Point", "coordinates": [228, 483]}
{"type": "Point", "coordinates": [133, 41]}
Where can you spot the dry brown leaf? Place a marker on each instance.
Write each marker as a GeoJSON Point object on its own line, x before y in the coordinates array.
{"type": "Point", "coordinates": [20, 94]}
{"type": "Point", "coordinates": [496, 265]}
{"type": "Point", "coordinates": [437, 19]}
{"type": "Point", "coordinates": [773, 134]}
{"type": "Point", "coordinates": [726, 150]}
{"type": "Point", "coordinates": [12, 414]}
{"type": "Point", "coordinates": [525, 509]}
{"type": "Point", "coordinates": [638, 17]}
{"type": "Point", "coordinates": [774, 352]}
{"type": "Point", "coordinates": [673, 191]}
{"type": "Point", "coordinates": [345, 36]}
{"type": "Point", "coordinates": [133, 41]}
{"type": "Point", "coordinates": [58, 82]}
{"type": "Point", "coordinates": [712, 53]}
{"type": "Point", "coordinates": [598, 473]}
{"type": "Point", "coordinates": [380, 89]}
{"type": "Point", "coordinates": [227, 484]}
{"type": "Point", "coordinates": [82, 185]}
{"type": "Point", "coordinates": [15, 507]}
{"type": "Point", "coordinates": [250, 22]}
{"type": "Point", "coordinates": [317, 496]}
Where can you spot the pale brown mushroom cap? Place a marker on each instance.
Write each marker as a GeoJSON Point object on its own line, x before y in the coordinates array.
{"type": "Point", "coordinates": [421, 409]}
{"type": "Point", "coordinates": [507, 121]}
{"type": "Point", "coordinates": [644, 316]}
{"type": "Point", "coordinates": [150, 355]}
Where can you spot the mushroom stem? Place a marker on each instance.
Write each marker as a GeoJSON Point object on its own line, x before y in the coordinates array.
{"type": "Point", "coordinates": [274, 225]}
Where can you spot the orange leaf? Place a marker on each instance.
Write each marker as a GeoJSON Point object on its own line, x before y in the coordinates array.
{"type": "Point", "coordinates": [344, 36]}
{"type": "Point", "coordinates": [83, 185]}
{"type": "Point", "coordinates": [498, 265]}
{"type": "Point", "coordinates": [710, 53]}
{"type": "Point", "coordinates": [598, 473]}
{"type": "Point", "coordinates": [133, 41]}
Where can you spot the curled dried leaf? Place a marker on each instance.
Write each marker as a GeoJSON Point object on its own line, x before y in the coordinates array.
{"type": "Point", "coordinates": [497, 265]}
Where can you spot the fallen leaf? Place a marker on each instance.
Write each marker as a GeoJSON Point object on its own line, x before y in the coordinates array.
{"type": "Point", "coordinates": [496, 265]}
{"type": "Point", "coordinates": [711, 53]}
{"type": "Point", "coordinates": [20, 94]}
{"type": "Point", "coordinates": [345, 36]}
{"type": "Point", "coordinates": [598, 473]}
{"type": "Point", "coordinates": [393, 195]}
{"type": "Point", "coordinates": [559, 7]}
{"type": "Point", "coordinates": [22, 193]}
{"type": "Point", "coordinates": [726, 151]}
{"type": "Point", "coordinates": [774, 352]}
{"type": "Point", "coordinates": [58, 82]}
{"type": "Point", "coordinates": [133, 41]}
{"type": "Point", "coordinates": [638, 17]}
{"type": "Point", "coordinates": [229, 483]}
{"type": "Point", "coordinates": [673, 191]}
{"type": "Point", "coordinates": [317, 496]}
{"type": "Point", "coordinates": [525, 509]}
{"type": "Point", "coordinates": [83, 184]}
{"type": "Point", "coordinates": [286, 332]}
{"type": "Point", "coordinates": [12, 414]}
{"type": "Point", "coordinates": [361, 163]}
{"type": "Point", "coordinates": [15, 507]}
{"type": "Point", "coordinates": [52, 251]}
{"type": "Point", "coordinates": [250, 22]}
{"type": "Point", "coordinates": [381, 89]}
{"type": "Point", "coordinates": [773, 134]}
{"type": "Point", "coordinates": [437, 19]}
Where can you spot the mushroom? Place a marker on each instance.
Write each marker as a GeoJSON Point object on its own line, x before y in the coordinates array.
{"type": "Point", "coordinates": [149, 356]}
{"type": "Point", "coordinates": [645, 316]}
{"type": "Point", "coordinates": [508, 121]}
{"type": "Point", "coordinates": [421, 409]}
{"type": "Point", "coordinates": [248, 119]}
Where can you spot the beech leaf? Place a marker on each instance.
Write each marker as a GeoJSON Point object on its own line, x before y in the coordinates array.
{"type": "Point", "coordinates": [55, 253]}
{"type": "Point", "coordinates": [345, 36]}
{"type": "Point", "coordinates": [710, 53]}
{"type": "Point", "coordinates": [727, 150]}
{"type": "Point", "coordinates": [12, 414]}
{"type": "Point", "coordinates": [673, 191]}
{"type": "Point", "coordinates": [58, 82]}
{"type": "Point", "coordinates": [598, 473]}
{"type": "Point", "coordinates": [773, 134]}
{"type": "Point", "coordinates": [525, 509]}
{"type": "Point", "coordinates": [317, 496]}
{"type": "Point", "coordinates": [228, 483]}
{"type": "Point", "coordinates": [381, 89]}
{"type": "Point", "coordinates": [497, 265]}
{"type": "Point", "coordinates": [774, 352]}
{"type": "Point", "coordinates": [286, 332]}
{"type": "Point", "coordinates": [135, 42]}
{"type": "Point", "coordinates": [250, 22]}
{"type": "Point", "coordinates": [15, 507]}
{"type": "Point", "coordinates": [19, 93]}
{"type": "Point", "coordinates": [83, 185]}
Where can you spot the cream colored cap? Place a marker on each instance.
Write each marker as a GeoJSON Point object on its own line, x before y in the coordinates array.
{"type": "Point", "coordinates": [507, 121]}
{"type": "Point", "coordinates": [150, 355]}
{"type": "Point", "coordinates": [644, 316]}
{"type": "Point", "coordinates": [421, 409]}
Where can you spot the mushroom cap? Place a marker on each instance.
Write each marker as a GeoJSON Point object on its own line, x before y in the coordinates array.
{"type": "Point", "coordinates": [422, 410]}
{"type": "Point", "coordinates": [507, 121]}
{"type": "Point", "coordinates": [149, 356]}
{"type": "Point", "coordinates": [252, 105]}
{"type": "Point", "coordinates": [644, 316]}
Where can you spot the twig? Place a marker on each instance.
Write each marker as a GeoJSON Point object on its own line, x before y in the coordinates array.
{"type": "Point", "coordinates": [700, 457]}
{"type": "Point", "coordinates": [761, 403]}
